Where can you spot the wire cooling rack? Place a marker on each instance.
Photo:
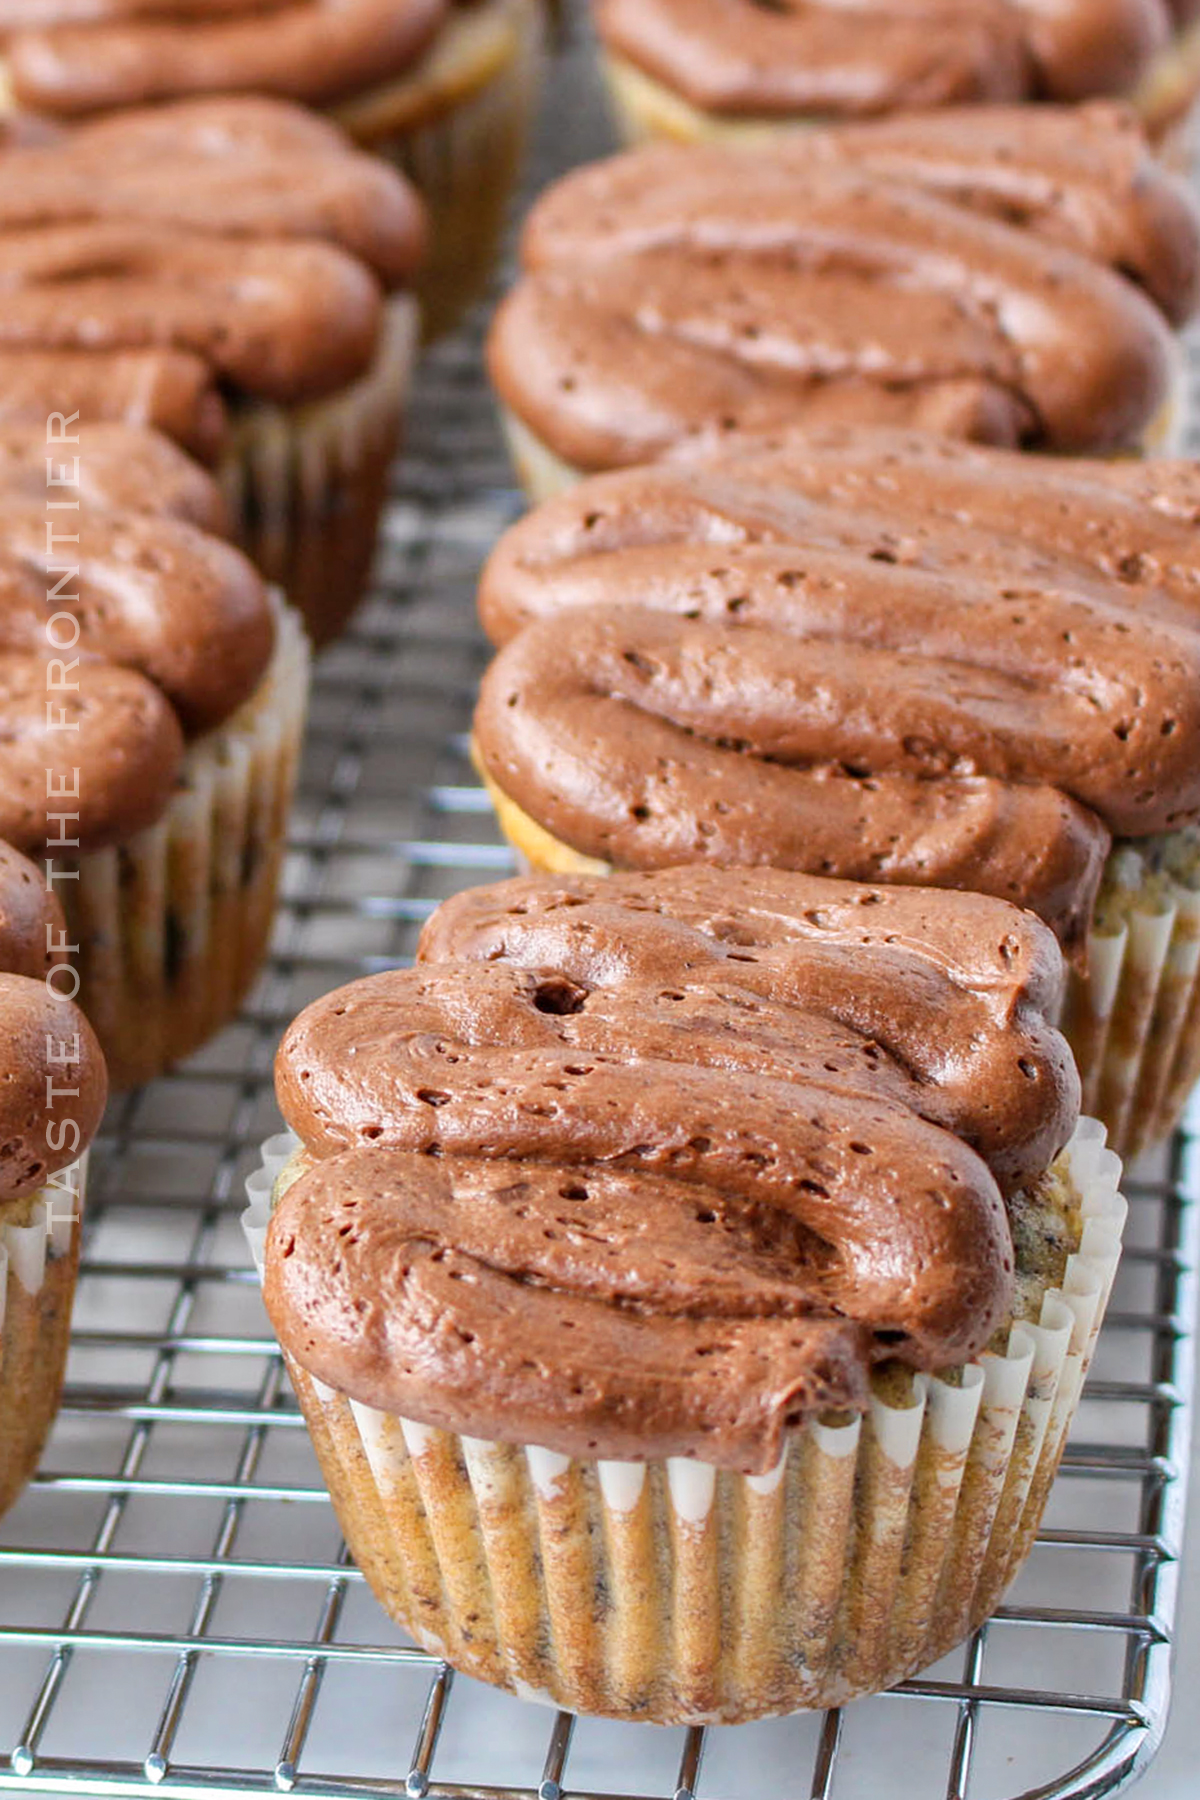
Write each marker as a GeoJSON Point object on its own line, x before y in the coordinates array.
{"type": "Point", "coordinates": [177, 1611]}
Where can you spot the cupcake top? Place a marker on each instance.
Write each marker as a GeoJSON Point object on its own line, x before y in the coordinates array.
{"type": "Point", "coordinates": [71, 57]}
{"type": "Point", "coordinates": [664, 1164]}
{"type": "Point", "coordinates": [156, 261]}
{"type": "Point", "coordinates": [54, 1067]}
{"type": "Point", "coordinates": [868, 654]}
{"type": "Point", "coordinates": [741, 57]}
{"type": "Point", "coordinates": [133, 631]}
{"type": "Point", "coordinates": [1007, 274]}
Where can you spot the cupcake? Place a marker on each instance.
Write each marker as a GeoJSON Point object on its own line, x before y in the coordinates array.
{"type": "Point", "coordinates": [231, 273]}
{"type": "Point", "coordinates": [152, 699]}
{"type": "Point", "coordinates": [51, 1102]}
{"type": "Point", "coordinates": [999, 274]}
{"type": "Point", "coordinates": [1168, 90]}
{"type": "Point", "coordinates": [700, 69]}
{"type": "Point", "coordinates": [443, 88]}
{"type": "Point", "coordinates": [688, 1280]}
{"type": "Point", "coordinates": [880, 656]}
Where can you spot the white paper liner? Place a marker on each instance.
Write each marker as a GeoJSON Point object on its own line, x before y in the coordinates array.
{"type": "Point", "coordinates": [1134, 1020]}
{"type": "Point", "coordinates": [54, 1212]}
{"type": "Point", "coordinates": [173, 925]}
{"type": "Point", "coordinates": [304, 485]}
{"type": "Point", "coordinates": [38, 1263]}
{"type": "Point", "coordinates": [677, 1592]}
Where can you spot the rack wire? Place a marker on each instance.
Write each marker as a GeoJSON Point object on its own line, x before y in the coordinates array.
{"type": "Point", "coordinates": [179, 1613]}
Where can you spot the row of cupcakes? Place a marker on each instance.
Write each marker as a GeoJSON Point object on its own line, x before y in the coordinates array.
{"type": "Point", "coordinates": [689, 1269]}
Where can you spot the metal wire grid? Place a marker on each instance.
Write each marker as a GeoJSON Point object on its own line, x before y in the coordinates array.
{"type": "Point", "coordinates": [179, 1611]}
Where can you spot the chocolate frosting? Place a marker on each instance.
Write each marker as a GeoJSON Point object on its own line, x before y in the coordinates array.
{"type": "Point", "coordinates": [632, 1169]}
{"type": "Point", "coordinates": [69, 58]}
{"type": "Point", "coordinates": [174, 633]}
{"type": "Point", "coordinates": [54, 1076]}
{"type": "Point", "coordinates": [867, 654]}
{"type": "Point", "coordinates": [859, 57]}
{"type": "Point", "coordinates": [32, 926]}
{"type": "Point", "coordinates": [54, 1072]}
{"type": "Point", "coordinates": [154, 259]}
{"type": "Point", "coordinates": [956, 272]}
{"type": "Point", "coordinates": [122, 468]}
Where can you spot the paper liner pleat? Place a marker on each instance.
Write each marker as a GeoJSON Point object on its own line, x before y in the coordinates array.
{"type": "Point", "coordinates": [39, 1261]}
{"type": "Point", "coordinates": [677, 1592]}
{"type": "Point", "coordinates": [1133, 1020]}
{"type": "Point", "coordinates": [173, 925]}
{"type": "Point", "coordinates": [304, 485]}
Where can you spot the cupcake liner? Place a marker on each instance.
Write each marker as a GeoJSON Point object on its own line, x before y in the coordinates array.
{"type": "Point", "coordinates": [39, 1259]}
{"type": "Point", "coordinates": [675, 1592]}
{"type": "Point", "coordinates": [1133, 1020]}
{"type": "Point", "coordinates": [172, 926]}
{"type": "Point", "coordinates": [304, 485]}
{"type": "Point", "coordinates": [457, 126]}
{"type": "Point", "coordinates": [541, 473]}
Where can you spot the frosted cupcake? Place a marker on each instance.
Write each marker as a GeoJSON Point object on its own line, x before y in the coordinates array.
{"type": "Point", "coordinates": [696, 69]}
{"type": "Point", "coordinates": [51, 1102]}
{"type": "Point", "coordinates": [444, 88]}
{"type": "Point", "coordinates": [152, 700]}
{"type": "Point", "coordinates": [688, 1280]}
{"type": "Point", "coordinates": [233, 273]}
{"type": "Point", "coordinates": [1006, 275]}
{"type": "Point", "coordinates": [875, 655]}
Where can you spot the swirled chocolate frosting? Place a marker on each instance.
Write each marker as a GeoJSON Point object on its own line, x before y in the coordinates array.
{"type": "Point", "coordinates": [155, 261]}
{"type": "Point", "coordinates": [1003, 274]}
{"type": "Point", "coordinates": [69, 58]}
{"type": "Point", "coordinates": [664, 1164]}
{"type": "Point", "coordinates": [825, 57]}
{"type": "Point", "coordinates": [122, 635]}
{"type": "Point", "coordinates": [868, 654]}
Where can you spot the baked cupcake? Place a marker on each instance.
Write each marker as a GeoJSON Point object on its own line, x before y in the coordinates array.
{"type": "Point", "coordinates": [688, 1280]}
{"type": "Point", "coordinates": [1000, 274]}
{"type": "Point", "coordinates": [51, 1102]}
{"type": "Point", "coordinates": [699, 69]}
{"type": "Point", "coordinates": [1167, 94]}
{"type": "Point", "coordinates": [152, 699]}
{"type": "Point", "coordinates": [877, 655]}
{"type": "Point", "coordinates": [444, 88]}
{"type": "Point", "coordinates": [230, 272]}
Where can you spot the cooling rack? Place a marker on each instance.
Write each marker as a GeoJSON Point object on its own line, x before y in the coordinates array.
{"type": "Point", "coordinates": [178, 1611]}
